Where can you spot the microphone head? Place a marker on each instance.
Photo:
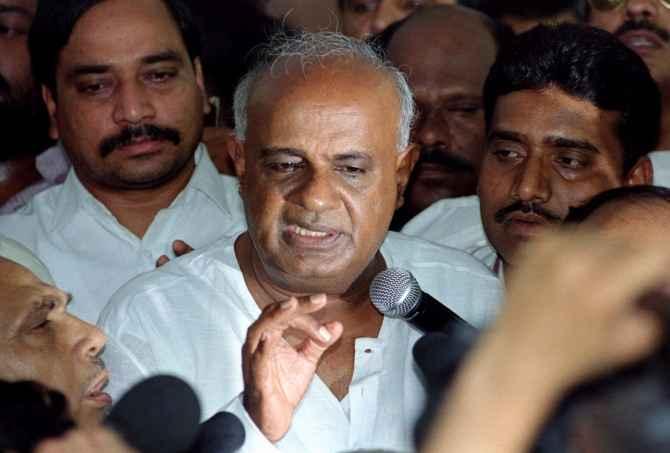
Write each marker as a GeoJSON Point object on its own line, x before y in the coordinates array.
{"type": "Point", "coordinates": [158, 415]}
{"type": "Point", "coordinates": [223, 433]}
{"type": "Point", "coordinates": [395, 292]}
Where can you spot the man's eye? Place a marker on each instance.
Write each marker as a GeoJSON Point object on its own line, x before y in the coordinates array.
{"type": "Point", "coordinates": [571, 162]}
{"type": "Point", "coordinates": [351, 170]}
{"type": "Point", "coordinates": [161, 76]}
{"type": "Point", "coordinates": [467, 109]}
{"type": "Point", "coordinates": [411, 5]}
{"type": "Point", "coordinates": [506, 154]}
{"type": "Point", "coordinates": [285, 167]}
{"type": "Point", "coordinates": [12, 32]}
{"type": "Point", "coordinates": [92, 87]}
{"type": "Point", "coordinates": [41, 326]}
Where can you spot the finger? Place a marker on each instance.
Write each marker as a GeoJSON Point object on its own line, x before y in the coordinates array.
{"type": "Point", "coordinates": [278, 317]}
{"type": "Point", "coordinates": [162, 260]}
{"type": "Point", "coordinates": [181, 248]}
{"type": "Point", "coordinates": [313, 350]}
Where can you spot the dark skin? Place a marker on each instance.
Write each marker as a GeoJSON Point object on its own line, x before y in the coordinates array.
{"type": "Point", "coordinates": [320, 174]}
{"type": "Point", "coordinates": [120, 70]}
{"type": "Point", "coordinates": [447, 52]}
{"type": "Point", "coordinates": [558, 157]}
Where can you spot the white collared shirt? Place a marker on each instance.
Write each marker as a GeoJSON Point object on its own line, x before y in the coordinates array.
{"type": "Point", "coordinates": [457, 223]}
{"type": "Point", "coordinates": [90, 254]}
{"type": "Point", "coordinates": [660, 160]}
{"type": "Point", "coordinates": [190, 319]}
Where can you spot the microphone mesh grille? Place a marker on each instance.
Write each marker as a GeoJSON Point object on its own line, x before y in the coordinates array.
{"type": "Point", "coordinates": [395, 292]}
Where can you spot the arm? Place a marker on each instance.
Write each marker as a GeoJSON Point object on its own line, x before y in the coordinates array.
{"type": "Point", "coordinates": [570, 315]}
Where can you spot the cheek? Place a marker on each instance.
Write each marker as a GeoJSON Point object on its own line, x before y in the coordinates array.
{"type": "Point", "coordinates": [606, 21]}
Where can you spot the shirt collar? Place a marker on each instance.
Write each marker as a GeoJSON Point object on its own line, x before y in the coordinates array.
{"type": "Point", "coordinates": [221, 189]}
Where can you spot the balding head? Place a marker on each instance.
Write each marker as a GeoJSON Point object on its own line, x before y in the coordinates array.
{"type": "Point", "coordinates": [446, 53]}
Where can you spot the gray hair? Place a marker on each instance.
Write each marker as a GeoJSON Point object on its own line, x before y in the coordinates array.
{"type": "Point", "coordinates": [314, 48]}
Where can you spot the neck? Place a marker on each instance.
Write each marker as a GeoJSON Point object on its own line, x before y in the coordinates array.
{"type": "Point", "coordinates": [136, 209]}
{"type": "Point", "coordinates": [16, 175]}
{"type": "Point", "coordinates": [355, 299]}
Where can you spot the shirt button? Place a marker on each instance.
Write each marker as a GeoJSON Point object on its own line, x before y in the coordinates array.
{"type": "Point", "coordinates": [368, 351]}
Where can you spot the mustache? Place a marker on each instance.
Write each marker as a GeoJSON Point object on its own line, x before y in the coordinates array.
{"type": "Point", "coordinates": [526, 208]}
{"type": "Point", "coordinates": [132, 133]}
{"type": "Point", "coordinates": [441, 155]}
{"type": "Point", "coordinates": [644, 24]}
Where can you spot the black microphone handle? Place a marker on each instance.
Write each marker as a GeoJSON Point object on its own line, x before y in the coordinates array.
{"type": "Point", "coordinates": [429, 315]}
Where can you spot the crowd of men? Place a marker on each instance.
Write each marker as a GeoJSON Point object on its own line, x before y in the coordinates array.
{"type": "Point", "coordinates": [225, 226]}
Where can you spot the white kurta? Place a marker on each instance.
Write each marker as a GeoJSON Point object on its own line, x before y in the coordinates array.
{"type": "Point", "coordinates": [660, 160]}
{"type": "Point", "coordinates": [457, 223]}
{"type": "Point", "coordinates": [190, 318]}
{"type": "Point", "coordinates": [90, 254]}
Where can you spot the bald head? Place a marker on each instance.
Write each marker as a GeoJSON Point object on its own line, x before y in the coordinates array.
{"type": "Point", "coordinates": [446, 53]}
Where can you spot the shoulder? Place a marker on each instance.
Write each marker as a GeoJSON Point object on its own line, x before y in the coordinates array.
{"type": "Point", "coordinates": [186, 283]}
{"type": "Point", "coordinates": [455, 222]}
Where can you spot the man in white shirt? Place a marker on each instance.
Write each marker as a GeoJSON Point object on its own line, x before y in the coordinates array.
{"type": "Point", "coordinates": [644, 26]}
{"type": "Point", "coordinates": [555, 139]}
{"type": "Point", "coordinates": [123, 84]}
{"type": "Point", "coordinates": [276, 325]}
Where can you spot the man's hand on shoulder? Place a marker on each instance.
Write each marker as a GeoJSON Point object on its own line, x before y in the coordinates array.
{"type": "Point", "coordinates": [276, 373]}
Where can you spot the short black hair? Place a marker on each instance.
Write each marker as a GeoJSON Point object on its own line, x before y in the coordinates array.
{"type": "Point", "coordinates": [30, 413]}
{"type": "Point", "coordinates": [55, 19]}
{"type": "Point", "coordinates": [634, 194]}
{"type": "Point", "coordinates": [588, 64]}
{"type": "Point", "coordinates": [527, 9]}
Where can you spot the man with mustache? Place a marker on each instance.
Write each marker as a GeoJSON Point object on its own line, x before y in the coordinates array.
{"type": "Point", "coordinates": [446, 52]}
{"type": "Point", "coordinates": [276, 325]}
{"type": "Point", "coordinates": [563, 125]}
{"type": "Point", "coordinates": [644, 26]}
{"type": "Point", "coordinates": [123, 84]}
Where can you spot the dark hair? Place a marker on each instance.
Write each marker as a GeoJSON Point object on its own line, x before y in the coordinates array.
{"type": "Point", "coordinates": [55, 20]}
{"type": "Point", "coordinates": [500, 32]}
{"type": "Point", "coordinates": [30, 413]}
{"type": "Point", "coordinates": [527, 9]}
{"type": "Point", "coordinates": [588, 64]}
{"type": "Point", "coordinates": [635, 194]}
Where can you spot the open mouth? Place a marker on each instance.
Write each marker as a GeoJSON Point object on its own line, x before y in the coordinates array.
{"type": "Point", "coordinates": [311, 237]}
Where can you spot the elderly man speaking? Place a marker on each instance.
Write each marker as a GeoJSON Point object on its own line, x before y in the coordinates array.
{"type": "Point", "coordinates": [276, 325]}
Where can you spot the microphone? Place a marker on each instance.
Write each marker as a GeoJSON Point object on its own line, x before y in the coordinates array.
{"type": "Point", "coordinates": [158, 415]}
{"type": "Point", "coordinates": [396, 294]}
{"type": "Point", "coordinates": [223, 433]}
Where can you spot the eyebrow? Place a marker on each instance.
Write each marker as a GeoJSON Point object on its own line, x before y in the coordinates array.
{"type": "Point", "coordinates": [11, 9]}
{"type": "Point", "coordinates": [168, 55]}
{"type": "Point", "coordinates": [505, 135]}
{"type": "Point", "coordinates": [271, 151]}
{"type": "Point", "coordinates": [562, 142]}
{"type": "Point", "coordinates": [353, 155]}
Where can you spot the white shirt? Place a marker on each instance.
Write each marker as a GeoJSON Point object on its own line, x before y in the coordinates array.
{"type": "Point", "coordinates": [457, 223]}
{"type": "Point", "coordinates": [91, 255]}
{"type": "Point", "coordinates": [52, 165]}
{"type": "Point", "coordinates": [660, 160]}
{"type": "Point", "coordinates": [190, 319]}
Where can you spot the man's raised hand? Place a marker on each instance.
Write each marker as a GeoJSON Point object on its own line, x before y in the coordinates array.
{"type": "Point", "coordinates": [276, 373]}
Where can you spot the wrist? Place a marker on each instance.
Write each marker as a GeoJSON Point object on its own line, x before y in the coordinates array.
{"type": "Point", "coordinates": [273, 426]}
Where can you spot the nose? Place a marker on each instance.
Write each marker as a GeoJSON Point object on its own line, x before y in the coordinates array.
{"type": "Point", "coordinates": [90, 339]}
{"type": "Point", "coordinates": [642, 9]}
{"type": "Point", "coordinates": [133, 104]}
{"type": "Point", "coordinates": [430, 130]}
{"type": "Point", "coordinates": [531, 184]}
{"type": "Point", "coordinates": [317, 193]}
